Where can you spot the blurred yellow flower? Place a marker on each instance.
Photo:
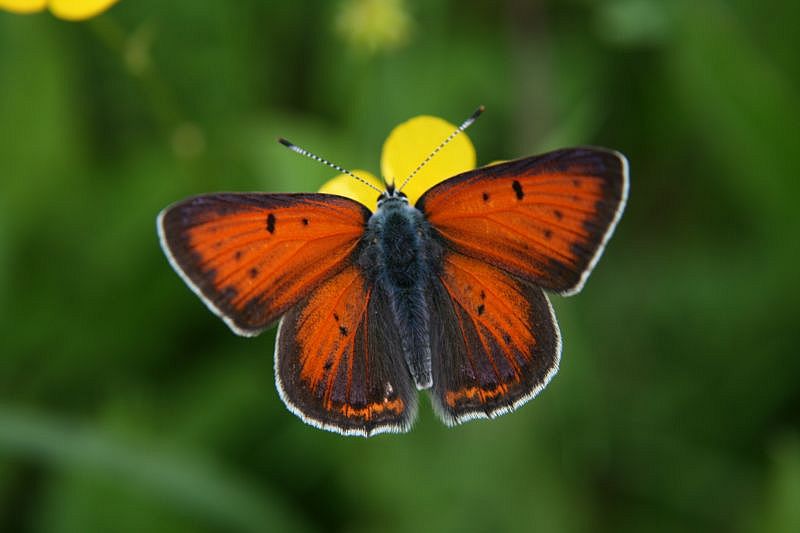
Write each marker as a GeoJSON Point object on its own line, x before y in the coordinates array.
{"type": "Point", "coordinates": [64, 9]}
{"type": "Point", "coordinates": [406, 147]}
{"type": "Point", "coordinates": [374, 25]}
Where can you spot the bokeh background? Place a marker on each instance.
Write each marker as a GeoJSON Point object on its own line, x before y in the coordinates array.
{"type": "Point", "coordinates": [126, 406]}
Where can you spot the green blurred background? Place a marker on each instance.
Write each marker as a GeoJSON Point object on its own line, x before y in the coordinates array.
{"type": "Point", "coordinates": [126, 406]}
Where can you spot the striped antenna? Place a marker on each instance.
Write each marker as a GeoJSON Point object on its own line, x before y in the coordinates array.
{"type": "Point", "coordinates": [294, 148]}
{"type": "Point", "coordinates": [464, 125]}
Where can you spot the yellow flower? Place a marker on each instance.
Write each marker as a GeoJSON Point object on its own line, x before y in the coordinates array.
{"type": "Point", "coordinates": [406, 147]}
{"type": "Point", "coordinates": [64, 9]}
{"type": "Point", "coordinates": [374, 25]}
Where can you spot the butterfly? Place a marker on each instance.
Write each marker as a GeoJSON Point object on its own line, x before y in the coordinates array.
{"type": "Point", "coordinates": [446, 295]}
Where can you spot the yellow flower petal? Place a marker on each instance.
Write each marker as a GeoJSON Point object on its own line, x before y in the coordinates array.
{"type": "Point", "coordinates": [412, 141]}
{"type": "Point", "coordinates": [23, 6]}
{"type": "Point", "coordinates": [79, 9]}
{"type": "Point", "coordinates": [345, 185]}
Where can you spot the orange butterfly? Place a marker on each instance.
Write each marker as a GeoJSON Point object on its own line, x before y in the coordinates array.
{"type": "Point", "coordinates": [444, 295]}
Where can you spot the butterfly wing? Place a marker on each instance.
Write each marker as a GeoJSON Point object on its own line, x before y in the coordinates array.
{"type": "Point", "coordinates": [507, 231]}
{"type": "Point", "coordinates": [339, 363]}
{"type": "Point", "coordinates": [495, 343]}
{"type": "Point", "coordinates": [250, 257]}
{"type": "Point", "coordinates": [544, 219]}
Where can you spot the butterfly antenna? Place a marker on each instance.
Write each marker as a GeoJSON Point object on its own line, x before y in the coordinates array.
{"type": "Point", "coordinates": [464, 125]}
{"type": "Point", "coordinates": [294, 148]}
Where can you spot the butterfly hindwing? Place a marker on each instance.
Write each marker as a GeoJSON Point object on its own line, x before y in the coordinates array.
{"type": "Point", "coordinates": [339, 363]}
{"type": "Point", "coordinates": [250, 257]}
{"type": "Point", "coordinates": [544, 219]}
{"type": "Point", "coordinates": [495, 343]}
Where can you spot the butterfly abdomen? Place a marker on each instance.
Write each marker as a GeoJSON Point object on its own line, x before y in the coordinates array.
{"type": "Point", "coordinates": [398, 254]}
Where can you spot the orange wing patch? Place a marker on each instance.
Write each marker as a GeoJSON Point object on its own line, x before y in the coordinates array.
{"type": "Point", "coordinates": [475, 395]}
{"type": "Point", "coordinates": [326, 331]}
{"type": "Point", "coordinates": [544, 219]}
{"type": "Point", "coordinates": [338, 366]}
{"type": "Point", "coordinates": [252, 256]}
{"type": "Point", "coordinates": [495, 344]}
{"type": "Point", "coordinates": [496, 308]}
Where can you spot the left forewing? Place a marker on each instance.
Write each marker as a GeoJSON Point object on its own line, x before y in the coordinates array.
{"type": "Point", "coordinates": [250, 257]}
{"type": "Point", "coordinates": [544, 219]}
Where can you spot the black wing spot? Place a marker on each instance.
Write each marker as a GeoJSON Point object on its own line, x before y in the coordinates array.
{"type": "Point", "coordinates": [238, 255]}
{"type": "Point", "coordinates": [559, 215]}
{"type": "Point", "coordinates": [481, 309]}
{"type": "Point", "coordinates": [271, 223]}
{"type": "Point", "coordinates": [328, 365]}
{"type": "Point", "coordinates": [486, 197]}
{"type": "Point", "coordinates": [576, 183]}
{"type": "Point", "coordinates": [343, 331]}
{"type": "Point", "coordinates": [548, 234]}
{"type": "Point", "coordinates": [506, 338]}
{"type": "Point", "coordinates": [518, 190]}
{"type": "Point", "coordinates": [253, 272]}
{"type": "Point", "coordinates": [483, 295]}
{"type": "Point", "coordinates": [305, 222]}
{"type": "Point", "coordinates": [336, 317]}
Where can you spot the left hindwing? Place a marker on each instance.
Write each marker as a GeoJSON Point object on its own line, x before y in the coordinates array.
{"type": "Point", "coordinates": [544, 219]}
{"type": "Point", "coordinates": [495, 343]}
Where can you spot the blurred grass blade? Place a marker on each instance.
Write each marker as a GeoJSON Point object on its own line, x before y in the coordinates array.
{"type": "Point", "coordinates": [195, 487]}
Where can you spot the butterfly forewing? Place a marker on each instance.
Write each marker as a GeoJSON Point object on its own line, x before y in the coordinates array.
{"type": "Point", "coordinates": [544, 219]}
{"type": "Point", "coordinates": [251, 257]}
{"type": "Point", "coordinates": [338, 362]}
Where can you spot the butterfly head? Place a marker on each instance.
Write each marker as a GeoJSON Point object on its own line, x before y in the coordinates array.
{"type": "Point", "coordinates": [391, 195]}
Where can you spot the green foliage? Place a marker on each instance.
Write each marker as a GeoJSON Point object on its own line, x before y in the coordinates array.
{"type": "Point", "coordinates": [126, 406]}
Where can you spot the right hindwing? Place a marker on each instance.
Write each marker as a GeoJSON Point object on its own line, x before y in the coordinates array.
{"type": "Point", "coordinates": [339, 363]}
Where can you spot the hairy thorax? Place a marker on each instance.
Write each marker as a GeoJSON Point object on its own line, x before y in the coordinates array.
{"type": "Point", "coordinates": [401, 256]}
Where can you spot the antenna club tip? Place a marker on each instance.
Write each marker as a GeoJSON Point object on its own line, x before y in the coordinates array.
{"type": "Point", "coordinates": [285, 142]}
{"type": "Point", "coordinates": [467, 123]}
